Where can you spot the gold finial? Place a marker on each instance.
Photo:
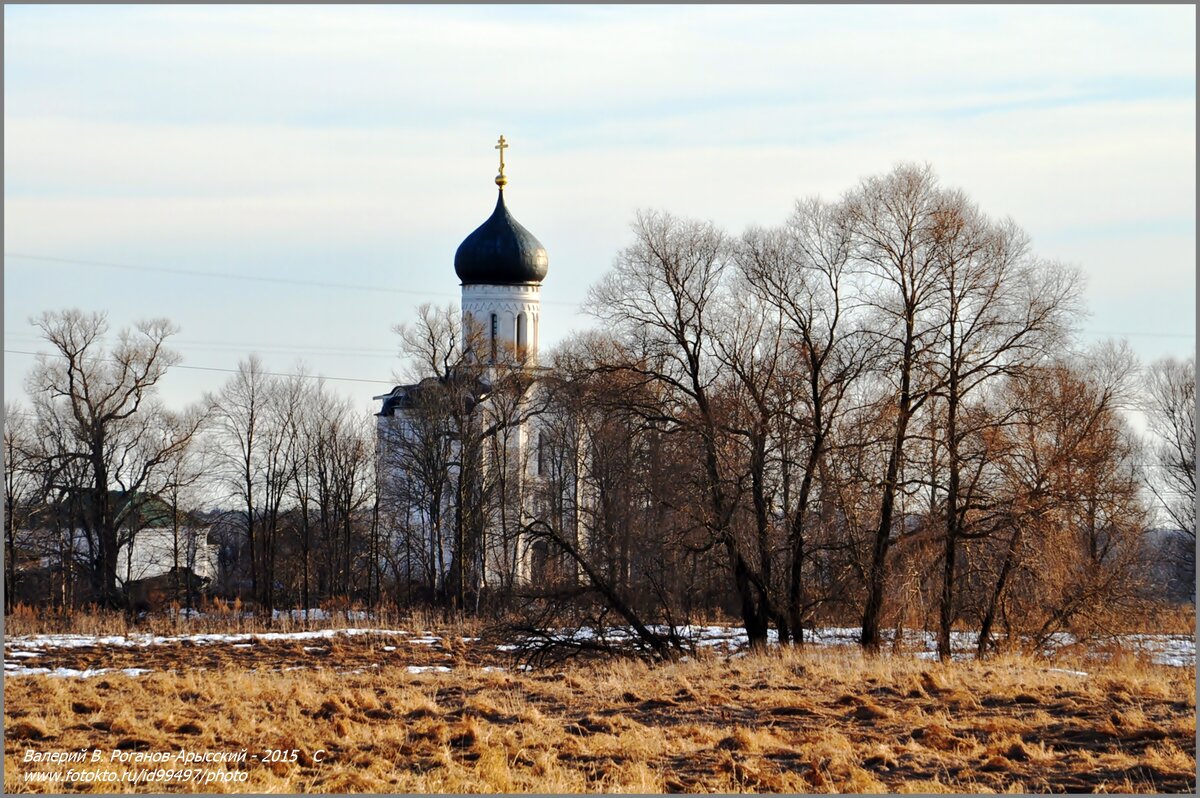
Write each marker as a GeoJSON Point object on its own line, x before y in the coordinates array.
{"type": "Point", "coordinates": [501, 180]}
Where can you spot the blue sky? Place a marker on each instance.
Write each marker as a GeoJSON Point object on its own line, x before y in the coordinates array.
{"type": "Point", "coordinates": [353, 147]}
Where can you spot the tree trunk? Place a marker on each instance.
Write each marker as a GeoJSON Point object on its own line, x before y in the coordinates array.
{"type": "Point", "coordinates": [946, 610]}
{"type": "Point", "coordinates": [883, 533]}
{"type": "Point", "coordinates": [989, 616]}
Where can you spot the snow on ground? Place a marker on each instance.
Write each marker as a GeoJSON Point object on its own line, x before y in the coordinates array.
{"type": "Point", "coordinates": [1068, 672]}
{"type": "Point", "coordinates": [41, 643]}
{"type": "Point", "coordinates": [428, 668]}
{"type": "Point", "coordinates": [12, 669]}
{"type": "Point", "coordinates": [317, 614]}
{"type": "Point", "coordinates": [206, 638]}
{"type": "Point", "coordinates": [1173, 650]}
{"type": "Point", "coordinates": [426, 640]}
{"type": "Point", "coordinates": [1177, 650]}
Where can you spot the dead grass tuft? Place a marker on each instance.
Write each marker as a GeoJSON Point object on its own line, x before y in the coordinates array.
{"type": "Point", "coordinates": [189, 728]}
{"type": "Point", "coordinates": [938, 737]}
{"type": "Point", "coordinates": [868, 710]}
{"type": "Point", "coordinates": [27, 730]}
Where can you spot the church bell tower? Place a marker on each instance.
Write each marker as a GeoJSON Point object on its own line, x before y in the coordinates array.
{"type": "Point", "coordinates": [501, 266]}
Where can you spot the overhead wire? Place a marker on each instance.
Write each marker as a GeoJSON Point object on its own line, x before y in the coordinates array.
{"type": "Point", "coordinates": [222, 370]}
{"type": "Point", "coordinates": [248, 277]}
{"type": "Point", "coordinates": [316, 349]}
{"type": "Point", "coordinates": [386, 289]}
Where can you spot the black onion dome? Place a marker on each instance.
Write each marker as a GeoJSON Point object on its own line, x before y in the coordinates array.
{"type": "Point", "coordinates": [501, 252]}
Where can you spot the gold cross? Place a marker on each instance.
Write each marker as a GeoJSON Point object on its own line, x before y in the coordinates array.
{"type": "Point", "coordinates": [501, 180]}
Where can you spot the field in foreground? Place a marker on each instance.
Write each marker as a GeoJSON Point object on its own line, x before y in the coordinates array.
{"type": "Point", "coordinates": [362, 717]}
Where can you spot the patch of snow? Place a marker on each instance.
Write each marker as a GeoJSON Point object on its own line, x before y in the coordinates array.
{"type": "Point", "coordinates": [389, 648]}
{"type": "Point", "coordinates": [1173, 650]}
{"type": "Point", "coordinates": [318, 614]}
{"type": "Point", "coordinates": [425, 641]}
{"type": "Point", "coordinates": [243, 645]}
{"type": "Point", "coordinates": [23, 654]}
{"type": "Point", "coordinates": [144, 640]}
{"type": "Point", "coordinates": [1068, 672]}
{"type": "Point", "coordinates": [428, 668]}
{"type": "Point", "coordinates": [315, 614]}
{"type": "Point", "coordinates": [72, 673]}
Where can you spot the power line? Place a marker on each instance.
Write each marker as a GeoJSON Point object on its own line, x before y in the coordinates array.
{"type": "Point", "coordinates": [384, 289]}
{"type": "Point", "coordinates": [222, 275]}
{"type": "Point", "coordinates": [246, 277]}
{"type": "Point", "coordinates": [268, 348]}
{"type": "Point", "coordinates": [225, 371]}
{"type": "Point", "coordinates": [1140, 334]}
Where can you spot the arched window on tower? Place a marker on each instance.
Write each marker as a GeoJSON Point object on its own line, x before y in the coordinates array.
{"type": "Point", "coordinates": [495, 335]}
{"type": "Point", "coordinates": [522, 334]}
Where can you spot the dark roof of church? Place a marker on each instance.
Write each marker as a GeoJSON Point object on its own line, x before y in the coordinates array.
{"type": "Point", "coordinates": [501, 252]}
{"type": "Point", "coordinates": [405, 397]}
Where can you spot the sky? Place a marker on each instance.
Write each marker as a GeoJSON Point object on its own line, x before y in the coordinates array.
{"type": "Point", "coordinates": [294, 181]}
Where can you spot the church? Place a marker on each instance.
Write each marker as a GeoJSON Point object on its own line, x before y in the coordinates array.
{"type": "Point", "coordinates": [460, 452]}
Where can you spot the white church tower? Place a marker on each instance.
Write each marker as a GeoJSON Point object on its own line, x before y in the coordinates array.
{"type": "Point", "coordinates": [501, 266]}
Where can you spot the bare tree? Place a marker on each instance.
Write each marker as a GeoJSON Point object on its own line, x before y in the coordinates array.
{"type": "Point", "coordinates": [1002, 311]}
{"type": "Point", "coordinates": [342, 487]}
{"type": "Point", "coordinates": [893, 220]}
{"type": "Point", "coordinates": [662, 292]}
{"type": "Point", "coordinates": [605, 531]}
{"type": "Point", "coordinates": [800, 270]}
{"type": "Point", "coordinates": [421, 448]}
{"type": "Point", "coordinates": [304, 488]}
{"type": "Point", "coordinates": [254, 424]}
{"type": "Point", "coordinates": [1065, 449]}
{"type": "Point", "coordinates": [452, 454]}
{"type": "Point", "coordinates": [22, 490]}
{"type": "Point", "coordinates": [239, 411]}
{"type": "Point", "coordinates": [1171, 407]}
{"type": "Point", "coordinates": [105, 399]}
{"type": "Point", "coordinates": [276, 464]}
{"type": "Point", "coordinates": [178, 484]}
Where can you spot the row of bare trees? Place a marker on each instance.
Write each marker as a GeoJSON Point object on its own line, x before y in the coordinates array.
{"type": "Point", "coordinates": [298, 464]}
{"type": "Point", "coordinates": [264, 488]}
{"type": "Point", "coordinates": [872, 412]}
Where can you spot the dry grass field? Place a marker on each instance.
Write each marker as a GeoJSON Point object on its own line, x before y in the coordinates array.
{"type": "Point", "coordinates": [820, 720]}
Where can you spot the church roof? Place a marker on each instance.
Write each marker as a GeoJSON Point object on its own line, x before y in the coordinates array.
{"type": "Point", "coordinates": [404, 398]}
{"type": "Point", "coordinates": [501, 252]}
